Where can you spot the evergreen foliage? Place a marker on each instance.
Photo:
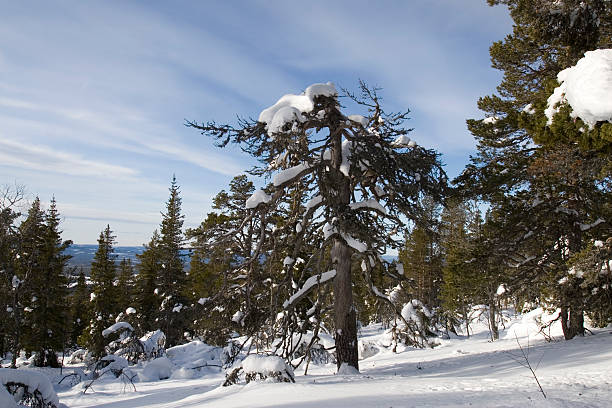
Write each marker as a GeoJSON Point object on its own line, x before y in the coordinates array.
{"type": "Point", "coordinates": [172, 278]}
{"type": "Point", "coordinates": [104, 293]}
{"type": "Point", "coordinates": [146, 299]}
{"type": "Point", "coordinates": [334, 160]}
{"type": "Point", "coordinates": [547, 185]}
{"type": "Point", "coordinates": [80, 308]}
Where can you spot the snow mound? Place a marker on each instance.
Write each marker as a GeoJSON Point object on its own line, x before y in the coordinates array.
{"type": "Point", "coordinates": [530, 325]}
{"type": "Point", "coordinates": [346, 369]}
{"type": "Point", "coordinates": [32, 380]}
{"type": "Point", "coordinates": [159, 369]}
{"type": "Point", "coordinates": [194, 354]}
{"type": "Point", "coordinates": [256, 363]}
{"type": "Point", "coordinates": [267, 368]}
{"type": "Point", "coordinates": [290, 108]}
{"type": "Point", "coordinates": [587, 88]}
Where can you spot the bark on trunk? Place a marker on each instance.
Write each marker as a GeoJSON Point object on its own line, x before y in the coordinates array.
{"type": "Point", "coordinates": [345, 317]}
{"type": "Point", "coordinates": [493, 318]}
{"type": "Point", "coordinates": [572, 322]}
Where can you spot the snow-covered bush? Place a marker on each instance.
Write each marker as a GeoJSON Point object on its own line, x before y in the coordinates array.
{"type": "Point", "coordinates": [110, 364]}
{"type": "Point", "coordinates": [258, 367]}
{"type": "Point", "coordinates": [417, 326]}
{"type": "Point", "coordinates": [26, 388]}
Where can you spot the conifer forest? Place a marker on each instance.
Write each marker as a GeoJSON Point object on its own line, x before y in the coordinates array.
{"type": "Point", "coordinates": [346, 256]}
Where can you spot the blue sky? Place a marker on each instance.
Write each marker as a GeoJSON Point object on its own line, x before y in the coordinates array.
{"type": "Point", "coordinates": [93, 95]}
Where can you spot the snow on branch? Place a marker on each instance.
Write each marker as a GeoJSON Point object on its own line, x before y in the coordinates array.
{"type": "Point", "coordinates": [586, 87]}
{"type": "Point", "coordinates": [586, 227]}
{"type": "Point", "coordinates": [309, 285]}
{"type": "Point", "coordinates": [290, 108]}
{"type": "Point", "coordinates": [369, 204]}
{"type": "Point", "coordinates": [117, 327]}
{"type": "Point", "coordinates": [257, 198]}
{"type": "Point", "coordinates": [290, 174]}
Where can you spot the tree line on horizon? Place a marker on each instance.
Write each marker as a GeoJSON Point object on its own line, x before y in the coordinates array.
{"type": "Point", "coordinates": [524, 225]}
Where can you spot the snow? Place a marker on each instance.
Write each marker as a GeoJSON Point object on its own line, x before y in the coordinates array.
{"type": "Point", "coordinates": [310, 282]}
{"type": "Point", "coordinates": [117, 327]}
{"type": "Point", "coordinates": [202, 300]}
{"type": "Point", "coordinates": [358, 119]}
{"type": "Point", "coordinates": [460, 372]}
{"type": "Point", "coordinates": [257, 198]}
{"type": "Point", "coordinates": [313, 202]}
{"type": "Point", "coordinates": [159, 369]}
{"type": "Point", "coordinates": [289, 174]}
{"type": "Point", "coordinates": [586, 227]}
{"type": "Point", "coordinates": [400, 268]}
{"type": "Point", "coordinates": [130, 310]}
{"type": "Point", "coordinates": [491, 120]}
{"type": "Point", "coordinates": [354, 243]}
{"type": "Point", "coordinates": [290, 107]}
{"type": "Point", "coordinates": [587, 88]}
{"type": "Point", "coordinates": [369, 203]}
{"type": "Point", "coordinates": [238, 317]}
{"type": "Point", "coordinates": [402, 141]}
{"type": "Point", "coordinates": [345, 166]}
{"type": "Point", "coordinates": [255, 363]}
{"type": "Point", "coordinates": [33, 380]}
{"type": "Point", "coordinates": [346, 369]}
{"type": "Point", "coordinates": [288, 261]}
{"type": "Point", "coordinates": [501, 290]}
{"type": "Point", "coordinates": [529, 109]}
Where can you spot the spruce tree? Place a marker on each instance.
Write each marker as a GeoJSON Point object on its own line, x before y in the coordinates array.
{"type": "Point", "coordinates": [80, 308]}
{"type": "Point", "coordinates": [172, 278]}
{"type": "Point", "coordinates": [28, 267]}
{"type": "Point", "coordinates": [103, 293]}
{"type": "Point", "coordinates": [146, 293]}
{"type": "Point", "coordinates": [125, 284]}
{"type": "Point", "coordinates": [48, 287]}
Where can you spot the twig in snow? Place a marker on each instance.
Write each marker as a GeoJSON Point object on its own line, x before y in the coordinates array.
{"type": "Point", "coordinates": [523, 360]}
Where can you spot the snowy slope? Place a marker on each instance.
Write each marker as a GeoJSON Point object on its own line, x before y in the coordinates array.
{"type": "Point", "coordinates": [460, 372]}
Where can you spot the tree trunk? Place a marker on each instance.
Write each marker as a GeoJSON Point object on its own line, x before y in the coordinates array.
{"type": "Point", "coordinates": [493, 318]}
{"type": "Point", "coordinates": [345, 317]}
{"type": "Point", "coordinates": [572, 322]}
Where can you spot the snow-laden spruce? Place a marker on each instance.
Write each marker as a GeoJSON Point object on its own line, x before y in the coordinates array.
{"type": "Point", "coordinates": [586, 88]}
{"type": "Point", "coordinates": [343, 187]}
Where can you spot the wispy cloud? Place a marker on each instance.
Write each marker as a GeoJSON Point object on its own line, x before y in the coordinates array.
{"type": "Point", "coordinates": [44, 158]}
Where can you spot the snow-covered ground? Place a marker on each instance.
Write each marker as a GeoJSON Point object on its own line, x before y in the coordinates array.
{"type": "Point", "coordinates": [459, 372]}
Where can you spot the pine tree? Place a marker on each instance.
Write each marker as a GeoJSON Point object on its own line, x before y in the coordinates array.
{"type": "Point", "coordinates": [172, 278]}
{"type": "Point", "coordinates": [546, 180]}
{"type": "Point", "coordinates": [104, 292]}
{"type": "Point", "coordinates": [347, 165]}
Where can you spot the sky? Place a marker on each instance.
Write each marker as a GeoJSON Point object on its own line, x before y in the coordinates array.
{"type": "Point", "coordinates": [94, 95]}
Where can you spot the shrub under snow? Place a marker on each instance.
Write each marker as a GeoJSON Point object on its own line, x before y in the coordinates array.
{"type": "Point", "coordinates": [26, 387]}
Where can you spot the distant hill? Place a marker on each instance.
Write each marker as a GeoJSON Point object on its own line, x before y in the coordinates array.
{"type": "Point", "coordinates": [82, 255]}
